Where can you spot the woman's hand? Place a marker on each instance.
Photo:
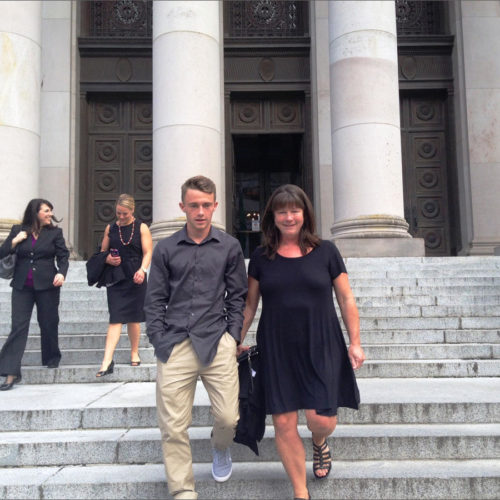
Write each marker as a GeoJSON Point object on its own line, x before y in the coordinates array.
{"type": "Point", "coordinates": [356, 356]}
{"type": "Point", "coordinates": [113, 261]}
{"type": "Point", "coordinates": [58, 279]}
{"type": "Point", "coordinates": [21, 236]}
{"type": "Point", "coordinates": [139, 277]}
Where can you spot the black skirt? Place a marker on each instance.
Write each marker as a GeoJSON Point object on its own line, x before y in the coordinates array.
{"type": "Point", "coordinates": [126, 302]}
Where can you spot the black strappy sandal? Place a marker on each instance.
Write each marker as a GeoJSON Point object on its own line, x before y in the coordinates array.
{"type": "Point", "coordinates": [322, 459]}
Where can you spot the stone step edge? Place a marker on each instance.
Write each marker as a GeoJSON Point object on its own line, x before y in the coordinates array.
{"type": "Point", "coordinates": [257, 470]}
{"type": "Point", "coordinates": [461, 479]}
{"type": "Point", "coordinates": [406, 345]}
{"type": "Point", "coordinates": [367, 362]}
{"type": "Point", "coordinates": [203, 433]}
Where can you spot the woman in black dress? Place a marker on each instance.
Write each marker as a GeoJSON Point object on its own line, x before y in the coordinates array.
{"type": "Point", "coordinates": [304, 360]}
{"type": "Point", "coordinates": [39, 246]}
{"type": "Point", "coordinates": [130, 246]}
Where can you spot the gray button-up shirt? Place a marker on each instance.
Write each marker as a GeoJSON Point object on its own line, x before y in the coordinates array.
{"type": "Point", "coordinates": [196, 291]}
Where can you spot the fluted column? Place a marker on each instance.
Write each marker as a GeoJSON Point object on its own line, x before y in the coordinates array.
{"type": "Point", "coordinates": [366, 138]}
{"type": "Point", "coordinates": [187, 106]}
{"type": "Point", "coordinates": [20, 82]}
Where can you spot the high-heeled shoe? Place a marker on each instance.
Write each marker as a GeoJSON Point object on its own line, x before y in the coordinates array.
{"type": "Point", "coordinates": [108, 371]}
{"type": "Point", "coordinates": [6, 386]}
{"type": "Point", "coordinates": [135, 363]}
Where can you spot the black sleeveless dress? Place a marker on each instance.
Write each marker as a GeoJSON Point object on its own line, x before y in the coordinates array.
{"type": "Point", "coordinates": [304, 362]}
{"type": "Point", "coordinates": [126, 298]}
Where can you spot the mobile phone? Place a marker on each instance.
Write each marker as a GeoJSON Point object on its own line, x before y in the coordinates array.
{"type": "Point", "coordinates": [114, 252]}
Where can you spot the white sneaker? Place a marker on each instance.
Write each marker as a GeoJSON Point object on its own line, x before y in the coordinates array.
{"type": "Point", "coordinates": [222, 466]}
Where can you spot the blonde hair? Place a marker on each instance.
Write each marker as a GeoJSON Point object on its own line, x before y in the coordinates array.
{"type": "Point", "coordinates": [126, 200]}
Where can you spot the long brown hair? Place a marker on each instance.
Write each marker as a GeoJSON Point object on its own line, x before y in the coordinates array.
{"type": "Point", "coordinates": [285, 196]}
{"type": "Point", "coordinates": [30, 223]}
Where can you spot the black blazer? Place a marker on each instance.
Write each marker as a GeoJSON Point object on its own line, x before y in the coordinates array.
{"type": "Point", "coordinates": [40, 258]}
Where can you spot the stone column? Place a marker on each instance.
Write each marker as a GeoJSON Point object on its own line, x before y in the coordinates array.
{"type": "Point", "coordinates": [20, 82]}
{"type": "Point", "coordinates": [366, 138]}
{"type": "Point", "coordinates": [187, 104]}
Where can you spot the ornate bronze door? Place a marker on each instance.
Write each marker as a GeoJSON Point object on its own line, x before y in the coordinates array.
{"type": "Point", "coordinates": [425, 171]}
{"type": "Point", "coordinates": [119, 160]}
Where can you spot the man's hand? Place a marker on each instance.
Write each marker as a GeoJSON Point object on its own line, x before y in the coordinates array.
{"type": "Point", "coordinates": [241, 349]}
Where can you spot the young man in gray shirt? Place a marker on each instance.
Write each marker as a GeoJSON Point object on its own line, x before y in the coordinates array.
{"type": "Point", "coordinates": [194, 315]}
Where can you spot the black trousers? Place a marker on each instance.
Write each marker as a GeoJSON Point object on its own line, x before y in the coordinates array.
{"type": "Point", "coordinates": [47, 306]}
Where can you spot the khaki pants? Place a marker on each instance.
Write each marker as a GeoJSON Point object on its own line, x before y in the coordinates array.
{"type": "Point", "coordinates": [175, 389]}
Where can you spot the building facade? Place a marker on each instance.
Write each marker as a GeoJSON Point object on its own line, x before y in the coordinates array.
{"type": "Point", "coordinates": [386, 113]}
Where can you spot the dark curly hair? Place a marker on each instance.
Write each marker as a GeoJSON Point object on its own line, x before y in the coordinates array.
{"type": "Point", "coordinates": [288, 195]}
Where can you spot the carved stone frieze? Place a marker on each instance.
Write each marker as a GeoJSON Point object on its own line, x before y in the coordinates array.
{"type": "Point", "coordinates": [418, 17]}
{"type": "Point", "coordinates": [428, 67]}
{"type": "Point", "coordinates": [285, 67]}
{"type": "Point", "coordinates": [104, 211]}
{"type": "Point", "coordinates": [123, 69]}
{"type": "Point", "coordinates": [121, 18]}
{"type": "Point", "coordinates": [107, 152]}
{"type": "Point", "coordinates": [267, 114]}
{"type": "Point", "coordinates": [247, 115]}
{"type": "Point", "coordinates": [266, 18]}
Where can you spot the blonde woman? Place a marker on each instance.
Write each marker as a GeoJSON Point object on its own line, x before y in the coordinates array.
{"type": "Point", "coordinates": [130, 246]}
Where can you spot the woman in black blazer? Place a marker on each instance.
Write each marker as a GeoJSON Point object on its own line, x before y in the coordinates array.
{"type": "Point", "coordinates": [37, 280]}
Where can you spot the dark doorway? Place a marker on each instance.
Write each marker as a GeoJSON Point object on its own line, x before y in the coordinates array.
{"type": "Point", "coordinates": [118, 159]}
{"type": "Point", "coordinates": [262, 162]}
{"type": "Point", "coordinates": [426, 176]}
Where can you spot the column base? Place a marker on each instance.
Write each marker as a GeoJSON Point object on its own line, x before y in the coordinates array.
{"type": "Point", "coordinates": [371, 226]}
{"type": "Point", "coordinates": [380, 247]}
{"type": "Point", "coordinates": [5, 227]}
{"type": "Point", "coordinates": [376, 236]}
{"type": "Point", "coordinates": [164, 228]}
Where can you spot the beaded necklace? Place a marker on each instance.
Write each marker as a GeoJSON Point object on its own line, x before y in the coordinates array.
{"type": "Point", "coordinates": [131, 234]}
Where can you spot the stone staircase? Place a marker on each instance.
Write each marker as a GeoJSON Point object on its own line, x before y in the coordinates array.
{"type": "Point", "coordinates": [428, 426]}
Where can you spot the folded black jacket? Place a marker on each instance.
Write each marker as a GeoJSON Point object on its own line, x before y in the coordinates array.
{"type": "Point", "coordinates": [101, 273]}
{"type": "Point", "coordinates": [252, 422]}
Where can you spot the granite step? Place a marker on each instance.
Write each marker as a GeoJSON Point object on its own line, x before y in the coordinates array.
{"type": "Point", "coordinates": [349, 442]}
{"type": "Point", "coordinates": [97, 323]}
{"type": "Point", "coordinates": [79, 341]}
{"type": "Point", "coordinates": [73, 292]}
{"type": "Point", "coordinates": [391, 479]}
{"type": "Point", "coordinates": [84, 340]}
{"type": "Point", "coordinates": [68, 374]}
{"type": "Point", "coordinates": [132, 405]}
{"type": "Point", "coordinates": [78, 356]}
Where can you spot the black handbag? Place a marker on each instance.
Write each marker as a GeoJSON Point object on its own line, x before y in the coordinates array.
{"type": "Point", "coordinates": [7, 265]}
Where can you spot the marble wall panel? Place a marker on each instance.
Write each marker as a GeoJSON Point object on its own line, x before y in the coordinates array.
{"type": "Point", "coordinates": [55, 144]}
{"type": "Point", "coordinates": [56, 55]}
{"type": "Point", "coordinates": [56, 9]}
{"type": "Point", "coordinates": [51, 181]}
{"type": "Point", "coordinates": [483, 115]}
{"type": "Point", "coordinates": [481, 52]}
{"type": "Point", "coordinates": [480, 8]}
{"type": "Point", "coordinates": [485, 181]}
